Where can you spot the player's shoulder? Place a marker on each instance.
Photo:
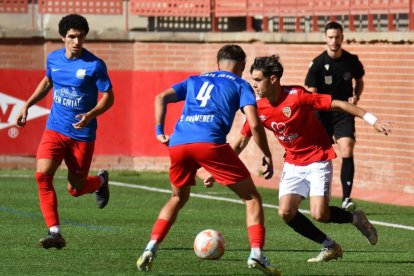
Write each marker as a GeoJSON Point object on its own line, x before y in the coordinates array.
{"type": "Point", "coordinates": [89, 56]}
{"type": "Point", "coordinates": [56, 53]}
{"type": "Point", "coordinates": [349, 55]}
{"type": "Point", "coordinates": [261, 101]}
{"type": "Point", "coordinates": [319, 58]}
{"type": "Point", "coordinates": [318, 61]}
{"type": "Point", "coordinates": [294, 90]}
{"type": "Point", "coordinates": [221, 77]}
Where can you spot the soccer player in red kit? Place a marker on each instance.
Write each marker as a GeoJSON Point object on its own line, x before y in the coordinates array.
{"type": "Point", "coordinates": [288, 111]}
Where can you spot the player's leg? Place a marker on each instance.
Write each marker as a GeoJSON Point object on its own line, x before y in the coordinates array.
{"type": "Point", "coordinates": [162, 225]}
{"type": "Point", "coordinates": [332, 214]}
{"type": "Point", "coordinates": [49, 157]}
{"type": "Point", "coordinates": [227, 169]}
{"type": "Point", "coordinates": [182, 175]}
{"type": "Point", "coordinates": [295, 185]}
{"type": "Point", "coordinates": [247, 191]}
{"type": "Point", "coordinates": [321, 212]}
{"type": "Point", "coordinates": [346, 147]}
{"type": "Point", "coordinates": [78, 160]}
{"type": "Point", "coordinates": [344, 132]}
{"type": "Point", "coordinates": [320, 179]}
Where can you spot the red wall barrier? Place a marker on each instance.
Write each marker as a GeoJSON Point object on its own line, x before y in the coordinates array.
{"type": "Point", "coordinates": [139, 70]}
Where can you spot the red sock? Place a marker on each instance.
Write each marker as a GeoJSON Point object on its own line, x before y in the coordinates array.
{"type": "Point", "coordinates": [47, 198]}
{"type": "Point", "coordinates": [91, 185]}
{"type": "Point", "coordinates": [256, 235]}
{"type": "Point", "coordinates": [160, 230]}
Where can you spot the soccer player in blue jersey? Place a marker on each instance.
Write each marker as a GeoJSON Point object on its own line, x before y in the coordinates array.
{"type": "Point", "coordinates": [76, 76]}
{"type": "Point", "coordinates": [199, 140]}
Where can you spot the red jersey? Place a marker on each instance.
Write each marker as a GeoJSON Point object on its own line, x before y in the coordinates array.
{"type": "Point", "coordinates": [292, 120]}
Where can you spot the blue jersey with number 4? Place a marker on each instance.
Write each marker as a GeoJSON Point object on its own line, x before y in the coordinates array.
{"type": "Point", "coordinates": [76, 83]}
{"type": "Point", "coordinates": [211, 102]}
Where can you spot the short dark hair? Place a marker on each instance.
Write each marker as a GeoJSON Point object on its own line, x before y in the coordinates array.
{"type": "Point", "coordinates": [269, 65]}
{"type": "Point", "coordinates": [73, 21]}
{"type": "Point", "coordinates": [334, 25]}
{"type": "Point", "coordinates": [231, 51]}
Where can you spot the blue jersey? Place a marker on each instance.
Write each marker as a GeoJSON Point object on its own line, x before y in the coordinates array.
{"type": "Point", "coordinates": [76, 83]}
{"type": "Point", "coordinates": [211, 102]}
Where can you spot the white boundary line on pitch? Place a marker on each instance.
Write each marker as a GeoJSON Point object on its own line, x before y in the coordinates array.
{"type": "Point", "coordinates": [167, 191]}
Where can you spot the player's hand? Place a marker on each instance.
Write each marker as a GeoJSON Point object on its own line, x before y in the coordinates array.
{"type": "Point", "coordinates": [268, 163]}
{"type": "Point", "coordinates": [353, 100]}
{"type": "Point", "coordinates": [84, 120]}
{"type": "Point", "coordinates": [209, 182]}
{"type": "Point", "coordinates": [21, 118]}
{"type": "Point", "coordinates": [383, 127]}
{"type": "Point", "coordinates": [164, 139]}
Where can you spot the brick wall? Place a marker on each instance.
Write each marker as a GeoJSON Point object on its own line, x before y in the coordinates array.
{"type": "Point", "coordinates": [383, 163]}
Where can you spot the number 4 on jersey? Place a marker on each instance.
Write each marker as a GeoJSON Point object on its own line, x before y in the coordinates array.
{"type": "Point", "coordinates": [204, 93]}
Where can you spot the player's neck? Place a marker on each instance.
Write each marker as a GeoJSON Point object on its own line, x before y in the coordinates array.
{"type": "Point", "coordinates": [334, 54]}
{"type": "Point", "coordinates": [274, 96]}
{"type": "Point", "coordinates": [231, 66]}
{"type": "Point", "coordinates": [70, 55]}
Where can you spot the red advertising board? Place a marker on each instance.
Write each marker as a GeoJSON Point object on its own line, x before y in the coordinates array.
{"type": "Point", "coordinates": [126, 129]}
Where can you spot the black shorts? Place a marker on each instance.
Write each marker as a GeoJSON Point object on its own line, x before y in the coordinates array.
{"type": "Point", "coordinates": [338, 124]}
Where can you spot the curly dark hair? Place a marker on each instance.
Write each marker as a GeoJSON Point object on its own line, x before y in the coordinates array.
{"type": "Point", "coordinates": [73, 21]}
{"type": "Point", "coordinates": [268, 65]}
{"type": "Point", "coordinates": [231, 51]}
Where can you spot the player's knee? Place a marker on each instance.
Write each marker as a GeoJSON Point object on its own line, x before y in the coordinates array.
{"type": "Point", "coordinates": [44, 181]}
{"type": "Point", "coordinates": [180, 201]}
{"type": "Point", "coordinates": [72, 191]}
{"type": "Point", "coordinates": [286, 214]}
{"type": "Point", "coordinates": [252, 199]}
{"type": "Point", "coordinates": [183, 201]}
{"type": "Point", "coordinates": [320, 217]}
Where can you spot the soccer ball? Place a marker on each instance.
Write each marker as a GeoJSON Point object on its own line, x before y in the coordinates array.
{"type": "Point", "coordinates": [209, 245]}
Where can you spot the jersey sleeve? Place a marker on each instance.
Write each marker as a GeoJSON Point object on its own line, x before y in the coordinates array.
{"type": "Point", "coordinates": [247, 95]}
{"type": "Point", "coordinates": [312, 76]}
{"type": "Point", "coordinates": [316, 101]}
{"type": "Point", "coordinates": [359, 68]}
{"type": "Point", "coordinates": [48, 70]}
{"type": "Point", "coordinates": [245, 130]}
{"type": "Point", "coordinates": [181, 90]}
{"type": "Point", "coordinates": [102, 81]}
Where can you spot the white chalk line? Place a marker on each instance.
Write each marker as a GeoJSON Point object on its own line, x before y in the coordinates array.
{"type": "Point", "coordinates": [167, 191]}
{"type": "Point", "coordinates": [237, 201]}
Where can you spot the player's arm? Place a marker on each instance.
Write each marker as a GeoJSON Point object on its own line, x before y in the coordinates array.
{"type": "Point", "coordinates": [161, 102]}
{"type": "Point", "coordinates": [40, 92]}
{"type": "Point", "coordinates": [311, 77]}
{"type": "Point", "coordinates": [260, 138]}
{"type": "Point", "coordinates": [240, 143]}
{"type": "Point", "coordinates": [383, 127]}
{"type": "Point", "coordinates": [238, 146]}
{"type": "Point", "coordinates": [359, 87]}
{"type": "Point", "coordinates": [106, 101]}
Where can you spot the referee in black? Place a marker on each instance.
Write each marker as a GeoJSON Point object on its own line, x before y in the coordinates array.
{"type": "Point", "coordinates": [338, 73]}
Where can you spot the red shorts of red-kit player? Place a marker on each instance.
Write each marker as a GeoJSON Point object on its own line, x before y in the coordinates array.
{"type": "Point", "coordinates": [220, 160]}
{"type": "Point", "coordinates": [58, 147]}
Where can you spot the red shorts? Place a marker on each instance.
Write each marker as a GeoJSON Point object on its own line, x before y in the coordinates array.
{"type": "Point", "coordinates": [58, 147]}
{"type": "Point", "coordinates": [219, 160]}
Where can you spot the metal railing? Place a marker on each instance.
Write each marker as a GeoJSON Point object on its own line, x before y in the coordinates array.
{"type": "Point", "coordinates": [303, 15]}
